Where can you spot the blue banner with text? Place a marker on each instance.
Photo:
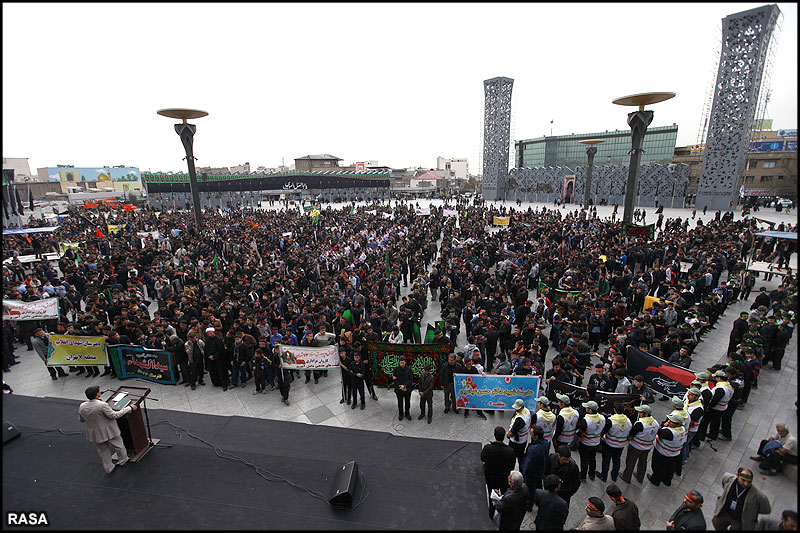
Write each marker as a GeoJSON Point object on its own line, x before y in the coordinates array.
{"type": "Point", "coordinates": [492, 392]}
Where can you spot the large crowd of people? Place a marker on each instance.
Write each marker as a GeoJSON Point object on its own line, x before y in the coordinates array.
{"type": "Point", "coordinates": [554, 294]}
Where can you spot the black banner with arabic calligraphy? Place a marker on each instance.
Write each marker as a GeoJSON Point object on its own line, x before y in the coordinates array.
{"type": "Point", "coordinates": [605, 400]}
{"type": "Point", "coordinates": [384, 358]}
{"type": "Point", "coordinates": [131, 361]}
{"type": "Point", "coordinates": [634, 230]}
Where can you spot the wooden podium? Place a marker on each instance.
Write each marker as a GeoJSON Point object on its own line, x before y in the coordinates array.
{"type": "Point", "coordinates": [131, 426]}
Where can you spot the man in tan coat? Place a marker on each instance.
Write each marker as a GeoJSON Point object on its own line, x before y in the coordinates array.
{"type": "Point", "coordinates": [102, 428]}
{"type": "Point", "coordinates": [740, 502]}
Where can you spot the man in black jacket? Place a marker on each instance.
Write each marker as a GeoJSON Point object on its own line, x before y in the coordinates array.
{"type": "Point", "coordinates": [553, 510]}
{"type": "Point", "coordinates": [498, 461]}
{"type": "Point", "coordinates": [638, 387]}
{"type": "Point", "coordinates": [470, 369]}
{"type": "Point", "coordinates": [625, 512]}
{"type": "Point", "coordinates": [600, 379]}
{"type": "Point", "coordinates": [179, 356]}
{"type": "Point", "coordinates": [762, 299]}
{"type": "Point", "coordinates": [689, 516]}
{"type": "Point", "coordinates": [240, 360]}
{"type": "Point", "coordinates": [511, 506]}
{"type": "Point", "coordinates": [402, 379]}
{"type": "Point", "coordinates": [740, 327]}
{"type": "Point", "coordinates": [562, 465]}
{"type": "Point", "coordinates": [357, 370]}
{"type": "Point", "coordinates": [446, 379]}
{"type": "Point", "coordinates": [426, 393]}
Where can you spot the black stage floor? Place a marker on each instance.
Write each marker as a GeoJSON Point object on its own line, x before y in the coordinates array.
{"type": "Point", "coordinates": [412, 483]}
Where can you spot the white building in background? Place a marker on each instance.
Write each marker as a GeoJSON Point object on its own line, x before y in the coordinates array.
{"type": "Point", "coordinates": [240, 169]}
{"type": "Point", "coordinates": [21, 168]}
{"type": "Point", "coordinates": [364, 165]}
{"type": "Point", "coordinates": [457, 165]}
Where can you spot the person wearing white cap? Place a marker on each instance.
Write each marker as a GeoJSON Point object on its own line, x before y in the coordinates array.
{"type": "Point", "coordinates": [615, 436]}
{"type": "Point", "coordinates": [723, 392]}
{"type": "Point", "coordinates": [590, 427]}
{"type": "Point", "coordinates": [544, 418]}
{"type": "Point", "coordinates": [694, 406]}
{"type": "Point", "coordinates": [216, 359]}
{"type": "Point", "coordinates": [519, 430]}
{"type": "Point", "coordinates": [705, 396]}
{"type": "Point", "coordinates": [678, 409]}
{"type": "Point", "coordinates": [566, 422]}
{"type": "Point", "coordinates": [668, 446]}
{"type": "Point", "coordinates": [642, 437]}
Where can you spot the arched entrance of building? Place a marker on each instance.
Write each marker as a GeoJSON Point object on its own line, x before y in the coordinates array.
{"type": "Point", "coordinates": [568, 189]}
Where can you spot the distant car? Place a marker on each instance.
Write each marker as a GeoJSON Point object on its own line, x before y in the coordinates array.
{"type": "Point", "coordinates": [783, 202]}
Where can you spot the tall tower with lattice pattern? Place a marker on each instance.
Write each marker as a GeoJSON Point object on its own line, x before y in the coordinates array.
{"type": "Point", "coordinates": [496, 136]}
{"type": "Point", "coordinates": [745, 43]}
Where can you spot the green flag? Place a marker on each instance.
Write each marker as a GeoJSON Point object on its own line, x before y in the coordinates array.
{"type": "Point", "coordinates": [348, 316]}
{"type": "Point", "coordinates": [78, 258]}
{"type": "Point", "coordinates": [215, 261]}
{"type": "Point", "coordinates": [388, 270]}
{"type": "Point", "coordinates": [353, 209]}
{"type": "Point", "coordinates": [430, 333]}
{"type": "Point", "coordinates": [416, 333]}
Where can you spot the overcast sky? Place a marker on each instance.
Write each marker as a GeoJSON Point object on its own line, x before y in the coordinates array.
{"type": "Point", "coordinates": [396, 83]}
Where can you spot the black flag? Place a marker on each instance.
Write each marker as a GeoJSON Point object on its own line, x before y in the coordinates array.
{"type": "Point", "coordinates": [30, 199]}
{"type": "Point", "coordinates": [5, 203]}
{"type": "Point", "coordinates": [19, 203]}
{"type": "Point", "coordinates": [13, 205]}
{"type": "Point", "coordinates": [660, 375]}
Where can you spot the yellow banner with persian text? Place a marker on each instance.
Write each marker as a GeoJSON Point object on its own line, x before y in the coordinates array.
{"type": "Point", "coordinates": [71, 350]}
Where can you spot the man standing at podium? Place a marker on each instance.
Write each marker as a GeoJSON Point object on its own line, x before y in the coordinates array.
{"type": "Point", "coordinates": [102, 428]}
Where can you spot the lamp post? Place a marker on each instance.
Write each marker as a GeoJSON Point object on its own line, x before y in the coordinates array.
{"type": "Point", "coordinates": [186, 133]}
{"type": "Point", "coordinates": [638, 121]}
{"type": "Point", "coordinates": [590, 152]}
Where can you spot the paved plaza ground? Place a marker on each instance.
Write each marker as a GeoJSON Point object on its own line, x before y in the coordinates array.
{"type": "Point", "coordinates": [773, 402]}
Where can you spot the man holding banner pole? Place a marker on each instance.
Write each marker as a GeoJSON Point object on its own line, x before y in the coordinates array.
{"type": "Point", "coordinates": [425, 393]}
{"type": "Point", "coordinates": [403, 377]}
{"type": "Point", "coordinates": [446, 378]}
{"type": "Point", "coordinates": [470, 368]}
{"type": "Point", "coordinates": [41, 342]}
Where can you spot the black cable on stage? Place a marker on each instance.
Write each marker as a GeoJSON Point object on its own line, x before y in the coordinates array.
{"type": "Point", "coordinates": [260, 471]}
{"type": "Point", "coordinates": [26, 434]}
